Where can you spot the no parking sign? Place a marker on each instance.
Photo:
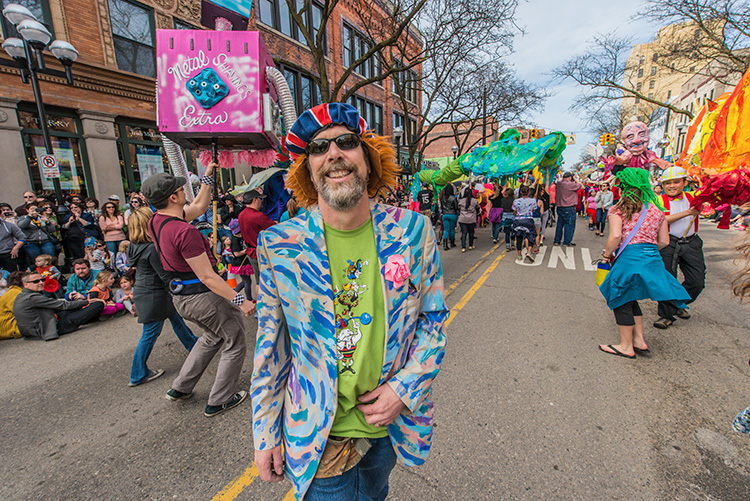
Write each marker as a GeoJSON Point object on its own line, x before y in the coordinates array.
{"type": "Point", "coordinates": [49, 166]}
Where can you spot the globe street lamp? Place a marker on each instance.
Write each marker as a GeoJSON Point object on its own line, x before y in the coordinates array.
{"type": "Point", "coordinates": [454, 149]}
{"type": "Point", "coordinates": [28, 56]}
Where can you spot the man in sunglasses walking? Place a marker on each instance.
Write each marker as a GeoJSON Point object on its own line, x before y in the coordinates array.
{"type": "Point", "coordinates": [350, 319]}
{"type": "Point", "coordinates": [252, 221]}
{"type": "Point", "coordinates": [41, 317]}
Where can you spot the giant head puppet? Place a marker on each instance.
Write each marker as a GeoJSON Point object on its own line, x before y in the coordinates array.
{"type": "Point", "coordinates": [634, 152]}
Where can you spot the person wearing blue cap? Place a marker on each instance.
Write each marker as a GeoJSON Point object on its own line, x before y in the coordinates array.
{"type": "Point", "coordinates": [350, 319]}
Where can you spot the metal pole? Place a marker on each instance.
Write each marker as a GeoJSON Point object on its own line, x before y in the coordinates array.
{"type": "Point", "coordinates": [42, 118]}
{"type": "Point", "coordinates": [215, 198]}
{"type": "Point", "coordinates": [484, 115]}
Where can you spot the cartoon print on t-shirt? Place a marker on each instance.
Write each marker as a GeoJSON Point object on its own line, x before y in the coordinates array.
{"type": "Point", "coordinates": [348, 324]}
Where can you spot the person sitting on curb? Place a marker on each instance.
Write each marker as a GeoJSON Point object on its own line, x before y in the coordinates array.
{"type": "Point", "coordinates": [40, 317]}
{"type": "Point", "coordinates": [82, 281]}
{"type": "Point", "coordinates": [8, 324]}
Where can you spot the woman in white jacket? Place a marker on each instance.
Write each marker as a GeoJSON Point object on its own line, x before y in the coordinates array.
{"type": "Point", "coordinates": [604, 199]}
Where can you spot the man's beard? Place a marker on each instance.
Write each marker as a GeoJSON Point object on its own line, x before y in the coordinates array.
{"type": "Point", "coordinates": [344, 196]}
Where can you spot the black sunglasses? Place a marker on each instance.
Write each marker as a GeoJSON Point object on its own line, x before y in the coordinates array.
{"type": "Point", "coordinates": [343, 142]}
{"type": "Point", "coordinates": [34, 281]}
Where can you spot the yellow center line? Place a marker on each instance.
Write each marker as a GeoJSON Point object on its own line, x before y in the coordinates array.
{"type": "Point", "coordinates": [233, 489]}
{"type": "Point", "coordinates": [460, 279]}
{"type": "Point", "coordinates": [474, 288]}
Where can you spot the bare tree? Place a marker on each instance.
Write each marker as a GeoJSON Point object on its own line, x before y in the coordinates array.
{"type": "Point", "coordinates": [463, 80]}
{"type": "Point", "coordinates": [719, 44]}
{"type": "Point", "coordinates": [603, 70]}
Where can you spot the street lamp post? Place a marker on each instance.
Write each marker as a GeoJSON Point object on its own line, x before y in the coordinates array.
{"type": "Point", "coordinates": [28, 57]}
{"type": "Point", "coordinates": [398, 133]}
{"type": "Point", "coordinates": [454, 149]}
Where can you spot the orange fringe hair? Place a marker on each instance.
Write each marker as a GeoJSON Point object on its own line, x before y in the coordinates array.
{"type": "Point", "coordinates": [382, 160]}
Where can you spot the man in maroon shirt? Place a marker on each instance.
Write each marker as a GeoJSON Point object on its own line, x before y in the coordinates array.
{"type": "Point", "coordinates": [566, 197]}
{"type": "Point", "coordinates": [199, 294]}
{"type": "Point", "coordinates": [252, 221]}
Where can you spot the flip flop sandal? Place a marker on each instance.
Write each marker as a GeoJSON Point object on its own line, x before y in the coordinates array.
{"type": "Point", "coordinates": [615, 351]}
{"type": "Point", "coordinates": [641, 351]}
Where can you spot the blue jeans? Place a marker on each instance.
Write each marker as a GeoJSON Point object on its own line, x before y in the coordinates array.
{"type": "Point", "coordinates": [601, 220]}
{"type": "Point", "coordinates": [33, 250]}
{"type": "Point", "coordinates": [566, 221]}
{"type": "Point", "coordinates": [449, 227]}
{"type": "Point", "coordinates": [368, 481]}
{"type": "Point", "coordinates": [151, 331]}
{"type": "Point", "coordinates": [112, 247]}
{"type": "Point", "coordinates": [496, 227]}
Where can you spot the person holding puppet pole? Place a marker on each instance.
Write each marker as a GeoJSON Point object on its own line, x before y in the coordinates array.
{"type": "Point", "coordinates": [685, 249]}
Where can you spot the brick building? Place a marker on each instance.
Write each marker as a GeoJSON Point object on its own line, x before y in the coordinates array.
{"type": "Point", "coordinates": [104, 126]}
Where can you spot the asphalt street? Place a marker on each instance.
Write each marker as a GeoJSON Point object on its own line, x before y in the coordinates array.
{"type": "Point", "coordinates": [526, 405]}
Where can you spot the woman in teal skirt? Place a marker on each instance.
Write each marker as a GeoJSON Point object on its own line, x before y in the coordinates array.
{"type": "Point", "coordinates": [638, 271]}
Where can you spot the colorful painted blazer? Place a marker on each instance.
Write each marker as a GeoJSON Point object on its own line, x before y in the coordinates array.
{"type": "Point", "coordinates": [294, 383]}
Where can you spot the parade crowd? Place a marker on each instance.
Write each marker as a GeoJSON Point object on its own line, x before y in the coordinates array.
{"type": "Point", "coordinates": [365, 388]}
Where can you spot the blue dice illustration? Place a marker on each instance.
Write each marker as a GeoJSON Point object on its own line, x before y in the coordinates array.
{"type": "Point", "coordinates": [207, 88]}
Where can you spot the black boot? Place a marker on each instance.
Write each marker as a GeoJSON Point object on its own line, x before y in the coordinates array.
{"type": "Point", "coordinates": [453, 243]}
{"type": "Point", "coordinates": [445, 244]}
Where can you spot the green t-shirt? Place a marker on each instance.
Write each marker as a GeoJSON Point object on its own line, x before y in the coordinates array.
{"type": "Point", "coordinates": [359, 312]}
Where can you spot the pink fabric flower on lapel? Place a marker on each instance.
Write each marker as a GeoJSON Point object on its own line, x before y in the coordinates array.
{"type": "Point", "coordinates": [396, 270]}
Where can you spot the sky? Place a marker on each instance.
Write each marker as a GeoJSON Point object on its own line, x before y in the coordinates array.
{"type": "Point", "coordinates": [556, 31]}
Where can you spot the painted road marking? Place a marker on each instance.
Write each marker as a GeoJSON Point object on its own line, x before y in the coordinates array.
{"type": "Point", "coordinates": [463, 277]}
{"type": "Point", "coordinates": [564, 255]}
{"type": "Point", "coordinates": [537, 259]}
{"type": "Point", "coordinates": [474, 288]}
{"type": "Point", "coordinates": [586, 256]}
{"type": "Point", "coordinates": [234, 488]}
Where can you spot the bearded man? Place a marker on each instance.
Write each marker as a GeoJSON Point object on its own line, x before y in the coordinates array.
{"type": "Point", "coordinates": [350, 268]}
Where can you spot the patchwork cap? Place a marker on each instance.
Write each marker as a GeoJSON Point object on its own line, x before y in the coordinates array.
{"type": "Point", "coordinates": [311, 121]}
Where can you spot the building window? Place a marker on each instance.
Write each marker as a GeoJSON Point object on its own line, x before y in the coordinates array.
{"type": "Point", "coordinates": [638, 86]}
{"type": "Point", "coordinates": [641, 60]}
{"type": "Point", "coordinates": [182, 25]}
{"type": "Point", "coordinates": [653, 70]}
{"type": "Point", "coordinates": [305, 91]}
{"type": "Point", "coordinates": [640, 73]}
{"type": "Point", "coordinates": [410, 80]}
{"type": "Point", "coordinates": [652, 84]}
{"type": "Point", "coordinates": [655, 57]}
{"type": "Point", "coordinates": [67, 144]}
{"type": "Point", "coordinates": [650, 95]}
{"type": "Point", "coordinates": [692, 69]}
{"type": "Point", "coordinates": [410, 130]}
{"type": "Point", "coordinates": [40, 9]}
{"type": "Point", "coordinates": [275, 13]}
{"type": "Point", "coordinates": [669, 94]}
{"type": "Point", "coordinates": [637, 100]}
{"type": "Point", "coordinates": [353, 46]}
{"type": "Point", "coordinates": [370, 111]}
{"type": "Point", "coordinates": [133, 31]}
{"type": "Point", "coordinates": [141, 154]}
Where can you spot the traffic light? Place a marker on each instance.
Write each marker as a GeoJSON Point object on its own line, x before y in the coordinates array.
{"type": "Point", "coordinates": [610, 138]}
{"type": "Point", "coordinates": [603, 139]}
{"type": "Point", "coordinates": [533, 134]}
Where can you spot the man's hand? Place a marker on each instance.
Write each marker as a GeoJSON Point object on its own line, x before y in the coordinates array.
{"type": "Point", "coordinates": [248, 307]}
{"type": "Point", "coordinates": [14, 253]}
{"type": "Point", "coordinates": [93, 299]}
{"type": "Point", "coordinates": [385, 409]}
{"type": "Point", "coordinates": [270, 464]}
{"type": "Point", "coordinates": [76, 295]}
{"type": "Point", "coordinates": [210, 169]}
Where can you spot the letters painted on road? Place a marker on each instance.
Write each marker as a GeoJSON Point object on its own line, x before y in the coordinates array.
{"type": "Point", "coordinates": [566, 256]}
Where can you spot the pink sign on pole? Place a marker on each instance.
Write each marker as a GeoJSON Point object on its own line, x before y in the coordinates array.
{"type": "Point", "coordinates": [212, 84]}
